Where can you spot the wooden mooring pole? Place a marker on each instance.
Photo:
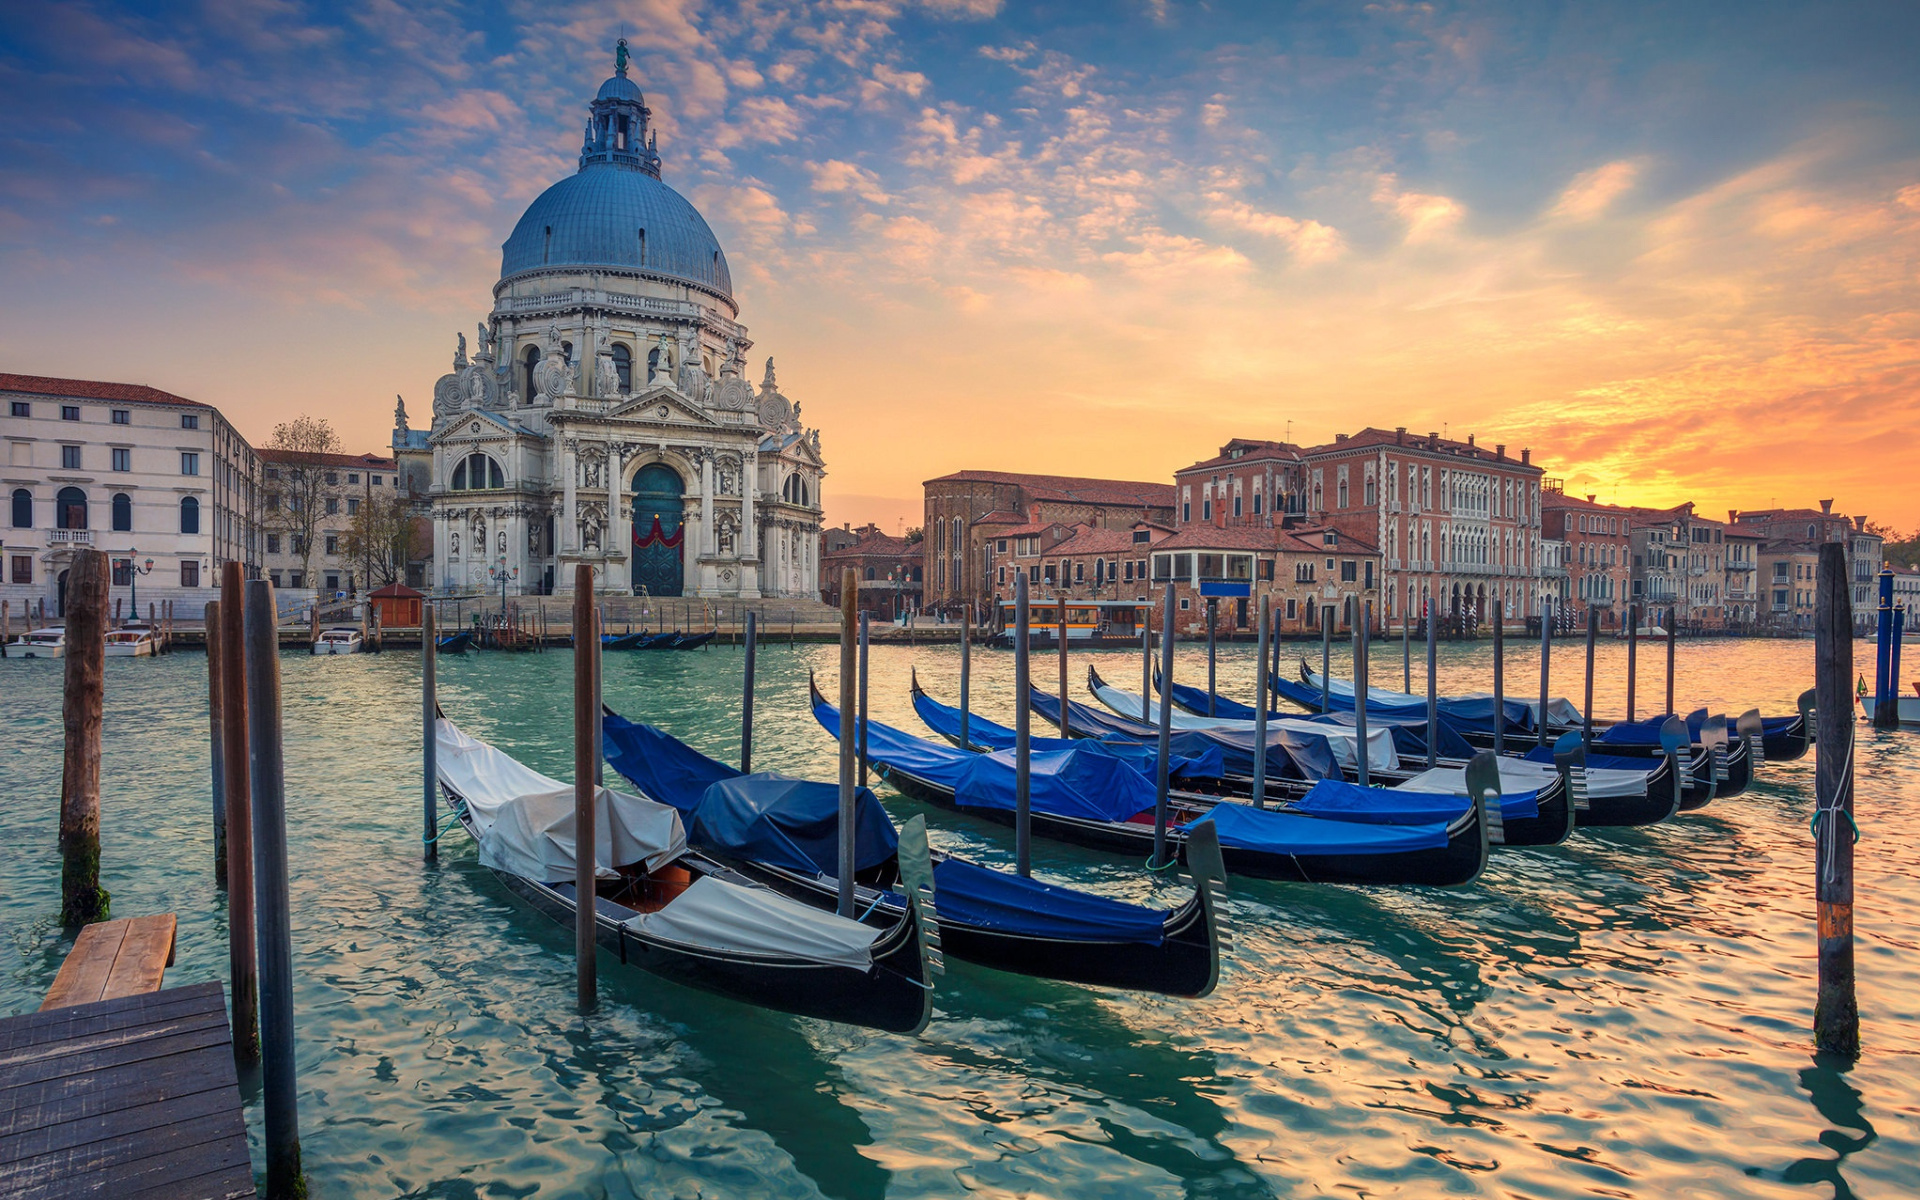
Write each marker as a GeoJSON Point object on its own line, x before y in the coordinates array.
{"type": "Point", "coordinates": [273, 904]}
{"type": "Point", "coordinates": [1165, 743]}
{"type": "Point", "coordinates": [1836, 1013]}
{"type": "Point", "coordinates": [1586, 710]}
{"type": "Point", "coordinates": [586, 758]}
{"type": "Point", "coordinates": [1673, 638]}
{"type": "Point", "coordinates": [217, 766]}
{"type": "Point", "coordinates": [1500, 677]}
{"type": "Point", "coordinates": [429, 738]}
{"type": "Point", "coordinates": [1022, 728]}
{"type": "Point", "coordinates": [863, 698]}
{"type": "Point", "coordinates": [966, 670]}
{"type": "Point", "coordinates": [1326, 656]}
{"type": "Point", "coordinates": [1406, 649]}
{"type": "Point", "coordinates": [1633, 655]}
{"type": "Point", "coordinates": [849, 603]}
{"type": "Point", "coordinates": [1433, 686]}
{"type": "Point", "coordinates": [82, 899]}
{"type": "Point", "coordinates": [1360, 696]}
{"type": "Point", "coordinates": [1213, 615]}
{"type": "Point", "coordinates": [746, 699]}
{"type": "Point", "coordinates": [1146, 660]}
{"type": "Point", "coordinates": [1260, 708]}
{"type": "Point", "coordinates": [243, 985]}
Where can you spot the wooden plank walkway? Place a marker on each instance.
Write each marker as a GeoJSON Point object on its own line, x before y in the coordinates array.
{"type": "Point", "coordinates": [128, 1097]}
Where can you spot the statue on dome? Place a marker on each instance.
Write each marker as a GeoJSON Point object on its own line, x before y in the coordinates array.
{"type": "Point", "coordinates": [400, 412]}
{"type": "Point", "coordinates": [483, 344]}
{"type": "Point", "coordinates": [620, 57]}
{"type": "Point", "coordinates": [460, 353]}
{"type": "Point", "coordinates": [606, 376]}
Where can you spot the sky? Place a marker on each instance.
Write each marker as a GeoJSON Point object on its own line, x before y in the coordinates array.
{"type": "Point", "coordinates": [1672, 248]}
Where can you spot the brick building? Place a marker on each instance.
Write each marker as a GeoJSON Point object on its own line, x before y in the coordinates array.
{"type": "Point", "coordinates": [1598, 553]}
{"type": "Point", "coordinates": [1808, 528]}
{"type": "Point", "coordinates": [339, 484]}
{"type": "Point", "coordinates": [975, 518]}
{"type": "Point", "coordinates": [1305, 570]}
{"type": "Point", "coordinates": [889, 570]}
{"type": "Point", "coordinates": [1456, 523]}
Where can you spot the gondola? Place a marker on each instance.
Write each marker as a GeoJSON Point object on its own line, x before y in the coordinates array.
{"type": "Point", "coordinates": [693, 641]}
{"type": "Point", "coordinates": [683, 916]}
{"type": "Point", "coordinates": [1090, 798]}
{"type": "Point", "coordinates": [664, 640]}
{"type": "Point", "coordinates": [454, 643]}
{"type": "Point", "coordinates": [783, 832]}
{"type": "Point", "coordinates": [622, 641]}
{"type": "Point", "coordinates": [1536, 807]}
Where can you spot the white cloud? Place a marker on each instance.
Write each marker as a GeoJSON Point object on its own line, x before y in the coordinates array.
{"type": "Point", "coordinates": [1592, 191]}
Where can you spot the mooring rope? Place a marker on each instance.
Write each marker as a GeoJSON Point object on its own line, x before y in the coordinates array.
{"type": "Point", "coordinates": [1824, 807]}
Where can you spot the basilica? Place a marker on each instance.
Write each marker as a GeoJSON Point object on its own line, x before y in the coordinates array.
{"type": "Point", "coordinates": [602, 415]}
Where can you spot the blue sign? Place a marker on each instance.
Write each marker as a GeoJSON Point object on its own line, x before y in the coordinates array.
{"type": "Point", "coordinates": [1226, 589]}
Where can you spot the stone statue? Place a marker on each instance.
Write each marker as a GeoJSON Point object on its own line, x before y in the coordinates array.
{"type": "Point", "coordinates": [460, 353]}
{"type": "Point", "coordinates": [606, 376]}
{"type": "Point", "coordinates": [400, 413]}
{"type": "Point", "coordinates": [453, 543]}
{"type": "Point", "coordinates": [663, 368]}
{"type": "Point", "coordinates": [554, 374]}
{"type": "Point", "coordinates": [483, 345]}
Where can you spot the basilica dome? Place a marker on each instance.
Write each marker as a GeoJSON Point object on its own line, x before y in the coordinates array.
{"type": "Point", "coordinates": [614, 212]}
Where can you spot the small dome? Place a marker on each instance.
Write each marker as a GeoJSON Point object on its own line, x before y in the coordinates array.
{"type": "Point", "coordinates": [595, 219]}
{"type": "Point", "coordinates": [619, 87]}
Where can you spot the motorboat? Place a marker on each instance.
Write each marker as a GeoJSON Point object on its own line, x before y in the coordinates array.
{"type": "Point", "coordinates": [50, 642]}
{"type": "Point", "coordinates": [338, 641]}
{"type": "Point", "coordinates": [132, 640]}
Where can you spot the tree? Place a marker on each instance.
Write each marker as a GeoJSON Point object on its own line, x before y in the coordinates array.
{"type": "Point", "coordinates": [385, 536]}
{"type": "Point", "coordinates": [296, 502]}
{"type": "Point", "coordinates": [915, 536]}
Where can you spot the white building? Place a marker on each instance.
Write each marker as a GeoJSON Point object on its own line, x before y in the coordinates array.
{"type": "Point", "coordinates": [343, 482]}
{"type": "Point", "coordinates": [603, 417]}
{"type": "Point", "coordinates": [162, 484]}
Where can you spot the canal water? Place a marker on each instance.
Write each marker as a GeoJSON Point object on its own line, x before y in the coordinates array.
{"type": "Point", "coordinates": [1626, 1015]}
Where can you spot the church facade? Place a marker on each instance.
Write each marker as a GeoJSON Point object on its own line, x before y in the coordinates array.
{"type": "Point", "coordinates": [602, 415]}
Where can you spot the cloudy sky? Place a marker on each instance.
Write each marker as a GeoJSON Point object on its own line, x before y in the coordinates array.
{"type": "Point", "coordinates": [1674, 248]}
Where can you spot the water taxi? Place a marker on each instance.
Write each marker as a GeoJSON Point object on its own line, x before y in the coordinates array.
{"type": "Point", "coordinates": [338, 641]}
{"type": "Point", "coordinates": [50, 642]}
{"type": "Point", "coordinates": [132, 640]}
{"type": "Point", "coordinates": [1090, 623]}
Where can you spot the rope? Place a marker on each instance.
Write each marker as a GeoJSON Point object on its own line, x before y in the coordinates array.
{"type": "Point", "coordinates": [444, 830]}
{"type": "Point", "coordinates": [1169, 865]}
{"type": "Point", "coordinates": [1828, 848]}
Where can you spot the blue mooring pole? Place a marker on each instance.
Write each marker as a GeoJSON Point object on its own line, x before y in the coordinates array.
{"type": "Point", "coordinates": [1886, 711]}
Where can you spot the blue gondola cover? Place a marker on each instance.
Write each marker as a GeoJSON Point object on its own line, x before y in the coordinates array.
{"type": "Point", "coordinates": [791, 823]}
{"type": "Point", "coordinates": [1379, 806]}
{"type": "Point", "coordinates": [974, 895]}
{"type": "Point", "coordinates": [1244, 827]}
{"type": "Point", "coordinates": [664, 768]}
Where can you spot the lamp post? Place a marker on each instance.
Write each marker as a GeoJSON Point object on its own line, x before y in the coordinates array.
{"type": "Point", "coordinates": [503, 575]}
{"type": "Point", "coordinates": [134, 572]}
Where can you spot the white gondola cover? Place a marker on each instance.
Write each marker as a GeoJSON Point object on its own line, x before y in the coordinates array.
{"type": "Point", "coordinates": [1343, 740]}
{"type": "Point", "coordinates": [752, 920]}
{"type": "Point", "coordinates": [1519, 775]}
{"type": "Point", "coordinates": [525, 819]}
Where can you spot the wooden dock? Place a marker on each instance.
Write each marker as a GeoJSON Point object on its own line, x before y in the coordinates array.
{"type": "Point", "coordinates": [116, 1088]}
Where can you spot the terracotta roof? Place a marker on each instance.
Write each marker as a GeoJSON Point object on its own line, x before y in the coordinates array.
{"type": "Point", "coordinates": [1562, 500]}
{"type": "Point", "coordinates": [881, 544]}
{"type": "Point", "coordinates": [1089, 539]}
{"type": "Point", "coordinates": [1000, 517]}
{"type": "Point", "coordinates": [1030, 530]}
{"type": "Point", "coordinates": [1250, 450]}
{"type": "Point", "coordinates": [1412, 441]}
{"type": "Point", "coordinates": [1233, 537]}
{"type": "Point", "coordinates": [301, 458]}
{"type": "Point", "coordinates": [1310, 539]}
{"type": "Point", "coordinates": [397, 591]}
{"type": "Point", "coordinates": [1071, 489]}
{"type": "Point", "coordinates": [89, 389]}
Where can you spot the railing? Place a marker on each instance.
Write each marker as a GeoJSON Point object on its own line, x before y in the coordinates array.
{"type": "Point", "coordinates": [77, 537]}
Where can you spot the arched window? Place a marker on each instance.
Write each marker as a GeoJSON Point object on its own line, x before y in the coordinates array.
{"type": "Point", "coordinates": [22, 508]}
{"type": "Point", "coordinates": [623, 357]}
{"type": "Point", "coordinates": [566, 353]}
{"type": "Point", "coordinates": [530, 360]}
{"type": "Point", "coordinates": [643, 247]}
{"type": "Point", "coordinates": [869, 574]}
{"type": "Point", "coordinates": [70, 508]}
{"type": "Point", "coordinates": [122, 513]}
{"type": "Point", "coordinates": [653, 363]}
{"type": "Point", "coordinates": [477, 472]}
{"type": "Point", "coordinates": [189, 515]}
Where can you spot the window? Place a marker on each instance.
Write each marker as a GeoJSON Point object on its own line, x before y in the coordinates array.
{"type": "Point", "coordinates": [122, 513]}
{"type": "Point", "coordinates": [333, 506]}
{"type": "Point", "coordinates": [1206, 508]}
{"type": "Point", "coordinates": [1236, 504]}
{"type": "Point", "coordinates": [22, 509]}
{"type": "Point", "coordinates": [376, 481]}
{"type": "Point", "coordinates": [477, 472]}
{"type": "Point", "coordinates": [623, 360]}
{"type": "Point", "coordinates": [122, 459]}
{"type": "Point", "coordinates": [333, 583]}
{"type": "Point", "coordinates": [1129, 570]}
{"type": "Point", "coordinates": [1292, 608]}
{"type": "Point", "coordinates": [1343, 493]}
{"type": "Point", "coordinates": [273, 472]}
{"type": "Point", "coordinates": [122, 417]}
{"type": "Point", "coordinates": [353, 477]}
{"type": "Point", "coordinates": [22, 408]}
{"type": "Point", "coordinates": [189, 574]}
{"type": "Point", "coordinates": [297, 580]}
{"type": "Point", "coordinates": [189, 515]}
{"type": "Point", "coordinates": [273, 544]}
{"type": "Point", "coordinates": [1080, 573]}
{"type": "Point", "coordinates": [273, 501]}
{"type": "Point", "coordinates": [333, 478]}
{"type": "Point", "coordinates": [69, 412]}
{"type": "Point", "coordinates": [122, 572]}
{"type": "Point", "coordinates": [70, 458]}
{"type": "Point", "coordinates": [1185, 604]}
{"type": "Point", "coordinates": [70, 508]}
{"type": "Point", "coordinates": [23, 568]}
{"type": "Point", "coordinates": [333, 546]}
{"type": "Point", "coordinates": [274, 578]}
{"type": "Point", "coordinates": [353, 506]}
{"type": "Point", "coordinates": [1256, 504]}
{"type": "Point", "coordinates": [189, 463]}
{"type": "Point", "coordinates": [1186, 511]}
{"type": "Point", "coordinates": [189, 421]}
{"type": "Point", "coordinates": [1266, 569]}
{"type": "Point", "coordinates": [1303, 572]}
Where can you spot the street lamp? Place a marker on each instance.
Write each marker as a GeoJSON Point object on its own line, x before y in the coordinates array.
{"type": "Point", "coordinates": [503, 574]}
{"type": "Point", "coordinates": [134, 572]}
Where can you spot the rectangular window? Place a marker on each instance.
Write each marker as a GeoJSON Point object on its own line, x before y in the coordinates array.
{"type": "Point", "coordinates": [353, 477]}
{"type": "Point", "coordinates": [1129, 578]}
{"type": "Point", "coordinates": [23, 568]}
{"type": "Point", "coordinates": [333, 479]}
{"type": "Point", "coordinates": [274, 578]}
{"type": "Point", "coordinates": [297, 580]}
{"type": "Point", "coordinates": [189, 463]}
{"type": "Point", "coordinates": [122, 572]}
{"type": "Point", "coordinates": [353, 506]}
{"type": "Point", "coordinates": [1266, 569]}
{"type": "Point", "coordinates": [22, 408]}
{"type": "Point", "coordinates": [70, 458]}
{"type": "Point", "coordinates": [273, 472]}
{"type": "Point", "coordinates": [1185, 604]}
{"type": "Point", "coordinates": [69, 412]}
{"type": "Point", "coordinates": [1186, 511]}
{"type": "Point", "coordinates": [1211, 566]}
{"type": "Point", "coordinates": [376, 483]}
{"type": "Point", "coordinates": [333, 506]}
{"type": "Point", "coordinates": [273, 544]}
{"type": "Point", "coordinates": [1349, 571]}
{"type": "Point", "coordinates": [333, 583]}
{"type": "Point", "coordinates": [1236, 512]}
{"type": "Point", "coordinates": [189, 421]}
{"type": "Point", "coordinates": [122, 417]}
{"type": "Point", "coordinates": [1256, 504]}
{"type": "Point", "coordinates": [1293, 611]}
{"type": "Point", "coordinates": [189, 574]}
{"type": "Point", "coordinates": [122, 459]}
{"type": "Point", "coordinates": [273, 501]}
{"type": "Point", "coordinates": [1206, 508]}
{"type": "Point", "coordinates": [333, 546]}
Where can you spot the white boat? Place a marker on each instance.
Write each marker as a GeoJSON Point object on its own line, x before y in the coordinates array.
{"type": "Point", "coordinates": [50, 642]}
{"type": "Point", "coordinates": [132, 640]}
{"type": "Point", "coordinates": [338, 641]}
{"type": "Point", "coordinates": [1908, 706]}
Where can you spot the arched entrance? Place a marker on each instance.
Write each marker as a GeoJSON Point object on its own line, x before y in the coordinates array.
{"type": "Point", "coordinates": [658, 535]}
{"type": "Point", "coordinates": [60, 605]}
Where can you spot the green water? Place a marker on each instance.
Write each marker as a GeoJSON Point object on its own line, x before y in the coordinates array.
{"type": "Point", "coordinates": [1625, 1015]}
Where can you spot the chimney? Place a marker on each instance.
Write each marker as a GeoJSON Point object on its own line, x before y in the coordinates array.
{"type": "Point", "coordinates": [1339, 437]}
{"type": "Point", "coordinates": [1399, 435]}
{"type": "Point", "coordinates": [1526, 457]}
{"type": "Point", "coordinates": [1826, 506]}
{"type": "Point", "coordinates": [1470, 439]}
{"type": "Point", "coordinates": [1590, 496]}
{"type": "Point", "coordinates": [1860, 523]}
{"type": "Point", "coordinates": [1733, 516]}
{"type": "Point", "coordinates": [1433, 439]}
{"type": "Point", "coordinates": [1500, 451]}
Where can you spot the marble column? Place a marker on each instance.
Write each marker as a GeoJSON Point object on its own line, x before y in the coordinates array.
{"type": "Point", "coordinates": [570, 513]}
{"type": "Point", "coordinates": [618, 538]}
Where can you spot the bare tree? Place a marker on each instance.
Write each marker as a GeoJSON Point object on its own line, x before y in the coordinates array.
{"type": "Point", "coordinates": [296, 502]}
{"type": "Point", "coordinates": [385, 536]}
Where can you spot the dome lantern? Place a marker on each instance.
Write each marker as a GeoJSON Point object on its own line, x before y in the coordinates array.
{"type": "Point", "coordinates": [617, 131]}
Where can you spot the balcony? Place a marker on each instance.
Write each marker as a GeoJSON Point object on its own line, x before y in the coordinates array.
{"type": "Point", "coordinates": [1742, 566]}
{"type": "Point", "coordinates": [72, 537]}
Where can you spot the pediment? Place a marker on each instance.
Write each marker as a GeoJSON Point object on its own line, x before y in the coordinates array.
{"type": "Point", "coordinates": [661, 405]}
{"type": "Point", "coordinates": [475, 425]}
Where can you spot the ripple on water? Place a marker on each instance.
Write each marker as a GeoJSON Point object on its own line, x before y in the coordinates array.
{"type": "Point", "coordinates": [1625, 1015]}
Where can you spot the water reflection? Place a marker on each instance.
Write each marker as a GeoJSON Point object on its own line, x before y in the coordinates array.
{"type": "Point", "coordinates": [1840, 1104]}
